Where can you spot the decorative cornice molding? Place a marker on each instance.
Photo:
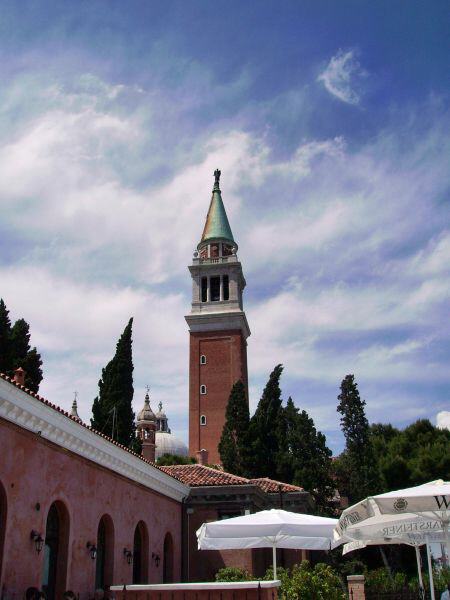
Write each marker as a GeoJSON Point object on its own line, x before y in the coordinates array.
{"type": "Point", "coordinates": [216, 321]}
{"type": "Point", "coordinates": [34, 415]}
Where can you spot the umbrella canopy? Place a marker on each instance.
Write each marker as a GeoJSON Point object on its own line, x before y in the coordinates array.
{"type": "Point", "coordinates": [428, 505]}
{"type": "Point", "coordinates": [414, 515]}
{"type": "Point", "coordinates": [269, 529]}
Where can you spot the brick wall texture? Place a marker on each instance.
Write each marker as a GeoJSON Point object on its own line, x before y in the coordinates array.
{"type": "Point", "coordinates": [226, 363]}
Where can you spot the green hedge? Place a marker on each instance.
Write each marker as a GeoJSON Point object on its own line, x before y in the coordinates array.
{"type": "Point", "coordinates": [304, 582]}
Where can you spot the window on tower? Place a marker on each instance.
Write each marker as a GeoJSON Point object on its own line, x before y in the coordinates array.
{"type": "Point", "coordinates": [214, 250]}
{"type": "Point", "coordinates": [203, 389]}
{"type": "Point", "coordinates": [226, 287]}
{"type": "Point", "coordinates": [227, 250]}
{"type": "Point", "coordinates": [204, 289]}
{"type": "Point", "coordinates": [214, 284]}
{"type": "Point", "coordinates": [203, 420]}
{"type": "Point", "coordinates": [203, 359]}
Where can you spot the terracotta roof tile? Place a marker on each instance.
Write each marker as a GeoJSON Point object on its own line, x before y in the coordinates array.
{"type": "Point", "coordinates": [272, 486]}
{"type": "Point", "coordinates": [200, 475]}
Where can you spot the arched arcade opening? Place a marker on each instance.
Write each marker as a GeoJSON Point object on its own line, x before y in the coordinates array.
{"type": "Point", "coordinates": [104, 566]}
{"type": "Point", "coordinates": [55, 551]}
{"type": "Point", "coordinates": [140, 553]}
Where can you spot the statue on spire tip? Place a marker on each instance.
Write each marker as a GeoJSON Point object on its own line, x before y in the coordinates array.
{"type": "Point", "coordinates": [217, 174]}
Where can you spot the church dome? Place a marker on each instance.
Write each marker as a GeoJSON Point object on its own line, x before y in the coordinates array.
{"type": "Point", "coordinates": [167, 443]}
{"type": "Point", "coordinates": [146, 413]}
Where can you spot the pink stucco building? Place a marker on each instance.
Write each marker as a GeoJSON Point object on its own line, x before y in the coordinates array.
{"type": "Point", "coordinates": [78, 511]}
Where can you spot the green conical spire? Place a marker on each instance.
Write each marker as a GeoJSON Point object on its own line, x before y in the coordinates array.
{"type": "Point", "coordinates": [217, 225]}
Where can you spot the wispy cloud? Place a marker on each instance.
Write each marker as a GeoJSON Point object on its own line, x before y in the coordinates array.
{"type": "Point", "coordinates": [342, 76]}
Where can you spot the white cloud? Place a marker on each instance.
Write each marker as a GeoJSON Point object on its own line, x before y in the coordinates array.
{"type": "Point", "coordinates": [443, 419]}
{"type": "Point", "coordinates": [341, 76]}
{"type": "Point", "coordinates": [336, 244]}
{"type": "Point", "coordinates": [76, 325]}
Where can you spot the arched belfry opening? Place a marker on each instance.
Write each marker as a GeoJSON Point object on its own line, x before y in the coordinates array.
{"type": "Point", "coordinates": [56, 551]}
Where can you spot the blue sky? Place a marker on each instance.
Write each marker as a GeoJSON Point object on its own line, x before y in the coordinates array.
{"type": "Point", "coordinates": [330, 123]}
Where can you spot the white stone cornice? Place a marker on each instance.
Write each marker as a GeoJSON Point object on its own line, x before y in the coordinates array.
{"type": "Point", "coordinates": [34, 415]}
{"type": "Point", "coordinates": [206, 322]}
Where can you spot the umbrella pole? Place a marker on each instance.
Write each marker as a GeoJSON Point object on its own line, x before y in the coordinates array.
{"type": "Point", "coordinates": [419, 567]}
{"type": "Point", "coordinates": [446, 525]}
{"type": "Point", "coordinates": [430, 571]}
{"type": "Point", "coordinates": [274, 558]}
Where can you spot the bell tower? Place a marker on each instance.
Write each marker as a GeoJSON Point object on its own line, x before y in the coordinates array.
{"type": "Point", "coordinates": [218, 329]}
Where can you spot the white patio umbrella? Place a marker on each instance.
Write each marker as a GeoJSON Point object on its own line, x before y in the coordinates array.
{"type": "Point", "coordinates": [421, 512]}
{"type": "Point", "coordinates": [269, 529]}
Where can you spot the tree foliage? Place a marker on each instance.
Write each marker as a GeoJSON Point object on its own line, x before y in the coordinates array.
{"type": "Point", "coordinates": [304, 458]}
{"type": "Point", "coordinates": [112, 411]}
{"type": "Point", "coordinates": [264, 440]}
{"type": "Point", "coordinates": [307, 582]}
{"type": "Point", "coordinates": [356, 469]}
{"type": "Point", "coordinates": [414, 455]}
{"type": "Point", "coordinates": [15, 350]}
{"type": "Point", "coordinates": [175, 459]}
{"type": "Point", "coordinates": [233, 442]}
{"type": "Point", "coordinates": [5, 338]}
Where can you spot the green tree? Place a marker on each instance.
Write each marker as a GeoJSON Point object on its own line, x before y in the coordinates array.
{"type": "Point", "coordinates": [112, 411]}
{"type": "Point", "coordinates": [175, 459]}
{"type": "Point", "coordinates": [304, 458]}
{"type": "Point", "coordinates": [24, 356]}
{"type": "Point", "coordinates": [234, 439]}
{"type": "Point", "coordinates": [264, 439]}
{"type": "Point", "coordinates": [5, 338]}
{"type": "Point", "coordinates": [419, 453]}
{"type": "Point", "coordinates": [15, 350]}
{"type": "Point", "coordinates": [357, 468]}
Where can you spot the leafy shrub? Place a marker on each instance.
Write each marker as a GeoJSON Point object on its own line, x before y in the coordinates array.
{"type": "Point", "coordinates": [233, 574]}
{"type": "Point", "coordinates": [381, 580]}
{"type": "Point", "coordinates": [320, 582]}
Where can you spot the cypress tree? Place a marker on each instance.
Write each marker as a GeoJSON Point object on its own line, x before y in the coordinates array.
{"type": "Point", "coordinates": [112, 407]}
{"type": "Point", "coordinates": [24, 356]}
{"type": "Point", "coordinates": [304, 457]}
{"type": "Point", "coordinates": [15, 350]}
{"type": "Point", "coordinates": [233, 442]}
{"type": "Point", "coordinates": [5, 339]}
{"type": "Point", "coordinates": [357, 467]}
{"type": "Point", "coordinates": [264, 440]}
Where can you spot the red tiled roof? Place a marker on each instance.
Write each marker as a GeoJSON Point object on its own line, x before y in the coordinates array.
{"type": "Point", "coordinates": [272, 486]}
{"type": "Point", "coordinates": [200, 475]}
{"type": "Point", "coordinates": [78, 421]}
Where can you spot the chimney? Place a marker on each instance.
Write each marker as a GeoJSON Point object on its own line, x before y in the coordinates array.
{"type": "Point", "coordinates": [19, 376]}
{"type": "Point", "coordinates": [202, 456]}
